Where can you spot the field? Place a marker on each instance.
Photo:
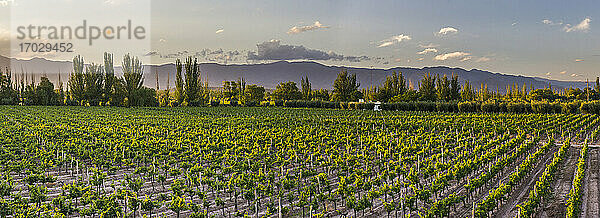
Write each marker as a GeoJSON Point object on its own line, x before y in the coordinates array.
{"type": "Point", "coordinates": [270, 162]}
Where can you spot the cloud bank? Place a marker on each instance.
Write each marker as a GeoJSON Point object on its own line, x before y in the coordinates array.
{"type": "Point", "coordinates": [274, 50]}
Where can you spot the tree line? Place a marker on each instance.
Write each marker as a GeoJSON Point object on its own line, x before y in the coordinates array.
{"type": "Point", "coordinates": [96, 85]}
{"type": "Point", "coordinates": [92, 85]}
{"type": "Point", "coordinates": [431, 88]}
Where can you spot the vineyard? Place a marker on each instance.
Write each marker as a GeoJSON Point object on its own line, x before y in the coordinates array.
{"type": "Point", "coordinates": [285, 162]}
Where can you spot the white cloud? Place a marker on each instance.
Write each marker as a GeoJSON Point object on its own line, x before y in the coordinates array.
{"type": "Point", "coordinates": [578, 60]}
{"type": "Point", "coordinates": [447, 31]}
{"type": "Point", "coordinates": [398, 60]}
{"type": "Point", "coordinates": [393, 40]}
{"type": "Point", "coordinates": [430, 45]}
{"type": "Point", "coordinates": [583, 26]}
{"type": "Point", "coordinates": [514, 23]}
{"type": "Point", "coordinates": [453, 55]}
{"type": "Point", "coordinates": [574, 75]}
{"type": "Point", "coordinates": [483, 59]}
{"type": "Point", "coordinates": [551, 23]}
{"type": "Point", "coordinates": [466, 58]}
{"type": "Point", "coordinates": [428, 50]}
{"type": "Point", "coordinates": [547, 73]}
{"type": "Point", "coordinates": [219, 31]}
{"type": "Point", "coordinates": [162, 40]}
{"type": "Point", "coordinates": [420, 59]}
{"type": "Point", "coordinates": [563, 72]}
{"type": "Point", "coordinates": [315, 26]}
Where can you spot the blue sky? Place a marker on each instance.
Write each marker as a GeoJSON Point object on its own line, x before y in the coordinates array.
{"type": "Point", "coordinates": [500, 36]}
{"type": "Point", "coordinates": [549, 39]}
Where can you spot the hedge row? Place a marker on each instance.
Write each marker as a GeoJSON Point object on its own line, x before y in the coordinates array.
{"type": "Point", "coordinates": [491, 106]}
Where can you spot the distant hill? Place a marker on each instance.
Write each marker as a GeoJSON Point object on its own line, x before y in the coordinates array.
{"type": "Point", "coordinates": [269, 75]}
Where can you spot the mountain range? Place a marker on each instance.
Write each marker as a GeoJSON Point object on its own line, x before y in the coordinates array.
{"type": "Point", "coordinates": [271, 74]}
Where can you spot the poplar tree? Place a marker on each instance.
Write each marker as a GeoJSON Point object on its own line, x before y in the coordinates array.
{"type": "Point", "coordinates": [306, 88]}
{"type": "Point", "coordinates": [132, 79]}
{"type": "Point", "coordinates": [77, 80]}
{"type": "Point", "coordinates": [109, 77]}
{"type": "Point", "coordinates": [427, 89]}
{"type": "Point", "coordinates": [179, 91]}
{"type": "Point", "coordinates": [192, 80]}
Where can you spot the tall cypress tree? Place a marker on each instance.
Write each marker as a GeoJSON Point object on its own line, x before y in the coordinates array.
{"type": "Point", "coordinates": [179, 91]}
{"type": "Point", "coordinates": [192, 79]}
{"type": "Point", "coordinates": [597, 87]}
{"type": "Point", "coordinates": [427, 89]}
{"type": "Point", "coordinates": [132, 79]}
{"type": "Point", "coordinates": [467, 93]}
{"type": "Point", "coordinates": [454, 88]}
{"type": "Point", "coordinates": [77, 80]}
{"type": "Point", "coordinates": [394, 85]}
{"type": "Point", "coordinates": [109, 77]}
{"type": "Point", "coordinates": [306, 88]}
{"type": "Point", "coordinates": [94, 84]}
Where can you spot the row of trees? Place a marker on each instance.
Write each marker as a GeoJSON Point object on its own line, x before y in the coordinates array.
{"type": "Point", "coordinates": [431, 88]}
{"type": "Point", "coordinates": [345, 88]}
{"type": "Point", "coordinates": [189, 89]}
{"type": "Point", "coordinates": [96, 84]}
{"type": "Point", "coordinates": [92, 84]}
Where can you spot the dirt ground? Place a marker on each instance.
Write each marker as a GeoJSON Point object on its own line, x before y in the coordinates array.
{"type": "Point", "coordinates": [590, 196]}
{"type": "Point", "coordinates": [556, 205]}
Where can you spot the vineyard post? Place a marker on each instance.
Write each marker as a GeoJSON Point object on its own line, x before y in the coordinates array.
{"type": "Point", "coordinates": [473, 210]}
{"type": "Point", "coordinates": [255, 202]}
{"type": "Point", "coordinates": [279, 206]}
{"type": "Point", "coordinates": [402, 202]}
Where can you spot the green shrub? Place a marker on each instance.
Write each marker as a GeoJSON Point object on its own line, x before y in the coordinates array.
{"type": "Point", "coordinates": [353, 105]}
{"type": "Point", "coordinates": [251, 104]}
{"type": "Point", "coordinates": [196, 103]}
{"type": "Point", "coordinates": [279, 103]}
{"type": "Point", "coordinates": [313, 104]}
{"type": "Point", "coordinates": [446, 106]}
{"type": "Point", "coordinates": [289, 103]}
{"type": "Point", "coordinates": [343, 105]}
{"type": "Point", "coordinates": [466, 107]}
{"type": "Point", "coordinates": [489, 107]}
{"type": "Point", "coordinates": [265, 104]}
{"type": "Point", "coordinates": [570, 108]}
{"type": "Point", "coordinates": [592, 107]}
{"type": "Point", "coordinates": [541, 107]}
{"type": "Point", "coordinates": [517, 107]}
{"type": "Point", "coordinates": [369, 106]}
{"type": "Point", "coordinates": [425, 106]}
